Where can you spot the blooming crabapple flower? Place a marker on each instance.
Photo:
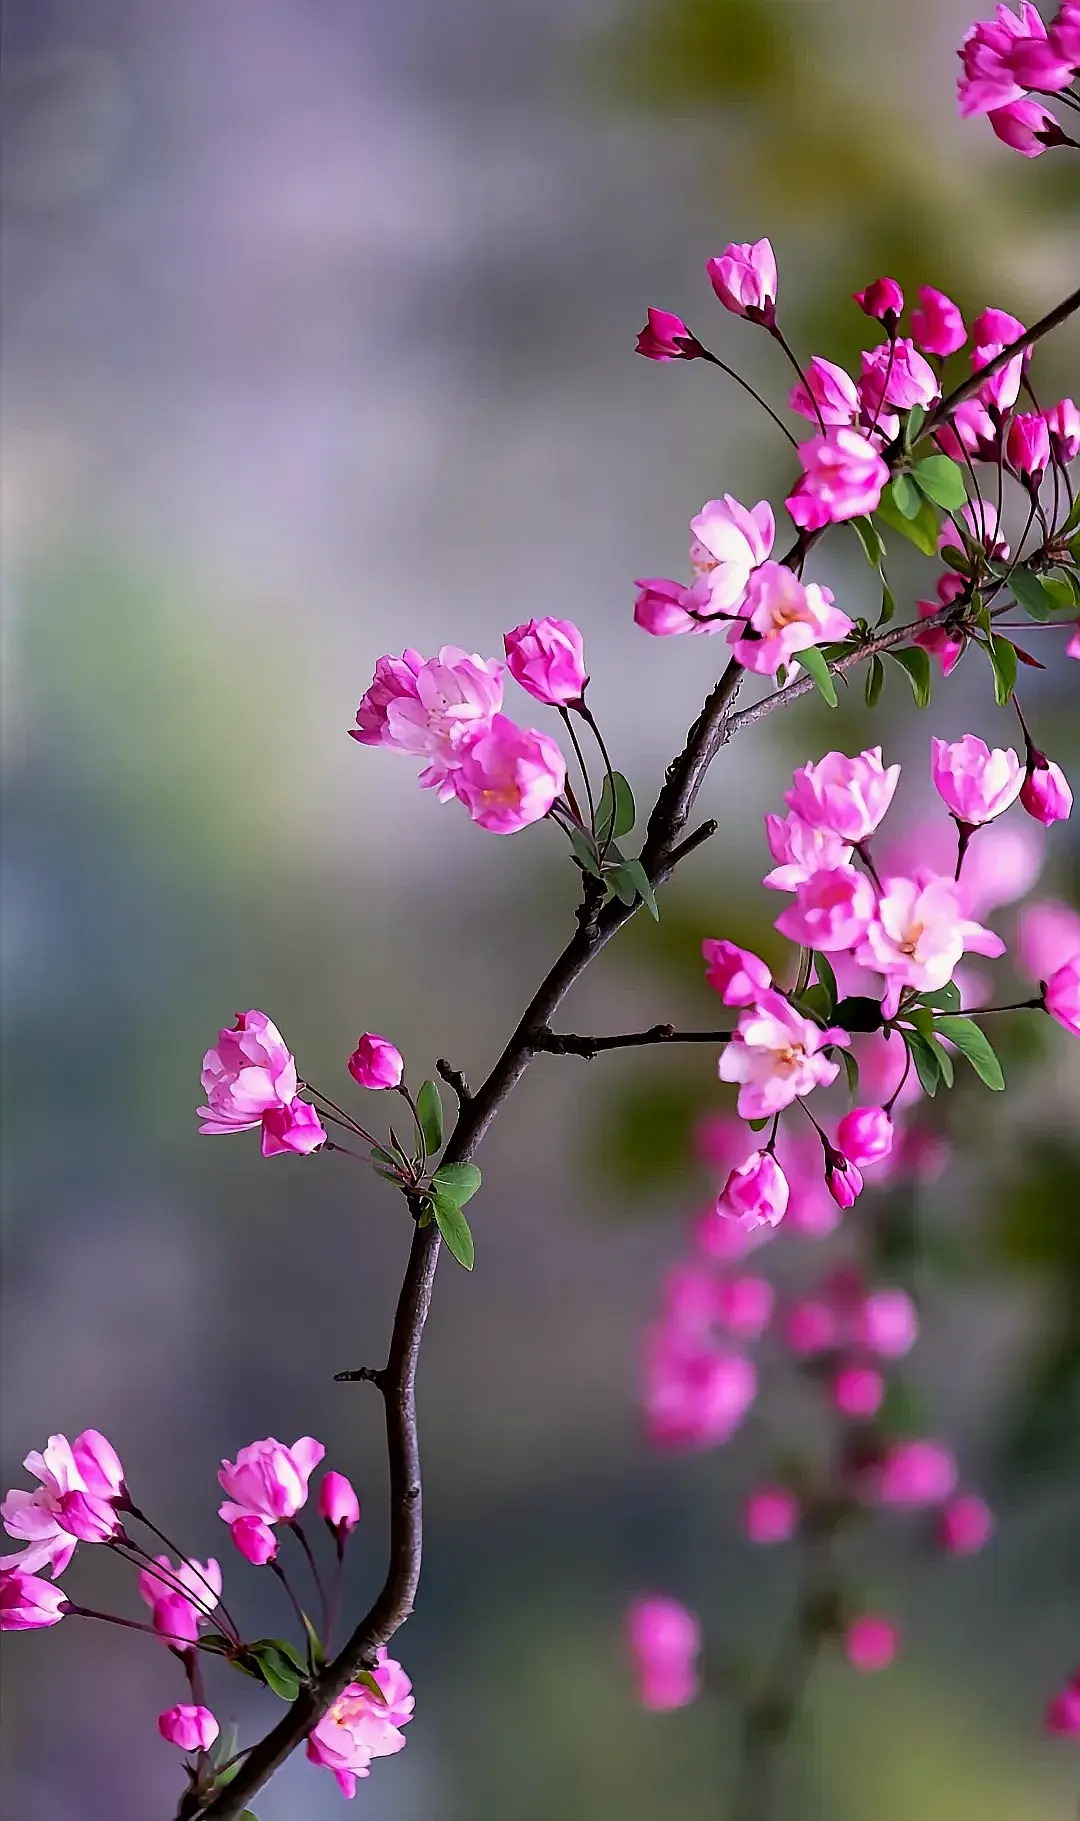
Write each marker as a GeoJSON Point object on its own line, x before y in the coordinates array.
{"type": "Point", "coordinates": [339, 1506]}
{"type": "Point", "coordinates": [870, 1643]}
{"type": "Point", "coordinates": [664, 1640]}
{"type": "Point", "coordinates": [394, 680]}
{"type": "Point", "coordinates": [1062, 996]}
{"type": "Point", "coordinates": [937, 326]}
{"type": "Point", "coordinates": [91, 1519]}
{"type": "Point", "coordinates": [188, 1725]}
{"type": "Point", "coordinates": [1037, 63]}
{"type": "Point", "coordinates": [744, 279]}
{"type": "Point", "coordinates": [744, 1305]}
{"type": "Point", "coordinates": [771, 1515]}
{"type": "Point", "coordinates": [27, 1603]}
{"type": "Point", "coordinates": [254, 1539]}
{"type": "Point", "coordinates": [844, 796]}
{"type": "Point", "coordinates": [666, 337]}
{"type": "Point", "coordinates": [886, 1323]}
{"type": "Point", "coordinates": [1065, 31]}
{"type": "Point", "coordinates": [376, 1062]}
{"type": "Point", "coordinates": [80, 1481]}
{"type": "Point", "coordinates": [735, 973]}
{"type": "Point", "coordinates": [455, 699]}
{"type": "Point", "coordinates": [801, 851]}
{"type": "Point", "coordinates": [947, 647]}
{"type": "Point", "coordinates": [547, 657]}
{"type": "Point", "coordinates": [988, 80]}
{"type": "Point", "coordinates": [974, 783]}
{"type": "Point", "coordinates": [1028, 446]}
{"type": "Point", "coordinates": [1063, 1713]}
{"type": "Point", "coordinates": [786, 616]}
{"type": "Point", "coordinates": [199, 1589]}
{"type": "Point", "coordinates": [843, 1179]}
{"type": "Point", "coordinates": [965, 1524]}
{"type": "Point", "coordinates": [970, 428]}
{"type": "Point", "coordinates": [858, 1392]}
{"type": "Point", "coordinates": [776, 1055]}
{"type": "Point", "coordinates": [832, 910]}
{"type": "Point", "coordinates": [882, 299]}
{"type": "Point", "coordinates": [1026, 126]}
{"type": "Point", "coordinates": [828, 388]}
{"type": "Point", "coordinates": [991, 333]}
{"type": "Point", "coordinates": [916, 1473]}
{"type": "Point", "coordinates": [865, 1135]}
{"type": "Point", "coordinates": [694, 1395]}
{"type": "Point", "coordinates": [727, 543]}
{"type": "Point", "coordinates": [895, 373]}
{"type": "Point", "coordinates": [756, 1193]}
{"type": "Point", "coordinates": [811, 1327]}
{"type": "Point", "coordinates": [268, 1480]}
{"type": "Point", "coordinates": [296, 1128]}
{"type": "Point", "coordinates": [843, 476]}
{"type": "Point", "coordinates": [1063, 423]}
{"type": "Point", "coordinates": [666, 608]}
{"type": "Point", "coordinates": [358, 1727]}
{"type": "Point", "coordinates": [510, 777]}
{"type": "Point", "coordinates": [919, 935]}
{"type": "Point", "coordinates": [249, 1072]}
{"type": "Point", "coordinates": [1045, 793]}
{"type": "Point", "coordinates": [1048, 935]}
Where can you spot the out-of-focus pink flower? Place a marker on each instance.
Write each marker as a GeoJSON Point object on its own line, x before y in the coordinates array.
{"type": "Point", "coordinates": [771, 1515]}
{"type": "Point", "coordinates": [882, 1068]}
{"type": "Point", "coordinates": [248, 1072]}
{"type": "Point", "coordinates": [666, 337]}
{"type": "Point", "coordinates": [785, 617]}
{"type": "Point", "coordinates": [666, 608]}
{"type": "Point", "coordinates": [510, 777]}
{"type": "Point", "coordinates": [296, 1128]}
{"type": "Point", "coordinates": [828, 388]}
{"type": "Point", "coordinates": [1063, 423]}
{"type": "Point", "coordinates": [858, 1391]}
{"type": "Point", "coordinates": [547, 657]}
{"type": "Point", "coordinates": [756, 1193]}
{"type": "Point", "coordinates": [268, 1480]}
{"type": "Point", "coordinates": [987, 79]}
{"type": "Point", "coordinates": [193, 1585]}
{"type": "Point", "coordinates": [865, 1135]}
{"type": "Point", "coordinates": [744, 279]}
{"type": "Point", "coordinates": [735, 973]}
{"type": "Point", "coordinates": [1048, 935]}
{"type": "Point", "coordinates": [1027, 446]}
{"type": "Point", "coordinates": [895, 373]}
{"type": "Point", "coordinates": [189, 1726]}
{"type": "Point", "coordinates": [776, 1055]}
{"type": "Point", "coordinates": [811, 1327]}
{"type": "Point", "coordinates": [80, 1482]}
{"type": "Point", "coordinates": [376, 1062]}
{"type": "Point", "coordinates": [919, 935]}
{"type": "Point", "coordinates": [1072, 648]}
{"type": "Point", "coordinates": [974, 783]}
{"type": "Point", "coordinates": [882, 299]}
{"type": "Point", "coordinates": [886, 1323]}
{"type": "Point", "coordinates": [937, 326]}
{"type": "Point", "coordinates": [694, 1394]}
{"type": "Point", "coordinates": [689, 1299]}
{"type": "Point", "coordinates": [832, 910]}
{"type": "Point", "coordinates": [965, 1524]}
{"type": "Point", "coordinates": [1026, 126]}
{"type": "Point", "coordinates": [915, 1474]}
{"type": "Point", "coordinates": [801, 851]}
{"type": "Point", "coordinates": [1046, 794]}
{"type": "Point", "coordinates": [843, 1179]}
{"type": "Point", "coordinates": [727, 542]}
{"type": "Point", "coordinates": [664, 1640]}
{"type": "Point", "coordinates": [1062, 996]}
{"type": "Point", "coordinates": [1001, 866]}
{"type": "Point", "coordinates": [339, 1506]}
{"type": "Point", "coordinates": [843, 476]}
{"type": "Point", "coordinates": [394, 681]}
{"type": "Point", "coordinates": [1063, 1713]}
{"type": "Point", "coordinates": [870, 1643]}
{"type": "Point", "coordinates": [811, 1209]}
{"type": "Point", "coordinates": [360, 1727]}
{"type": "Point", "coordinates": [744, 1305]}
{"type": "Point", "coordinates": [452, 700]}
{"type": "Point", "coordinates": [254, 1539]}
{"type": "Point", "coordinates": [946, 646]}
{"type": "Point", "coordinates": [847, 797]}
{"type": "Point", "coordinates": [27, 1603]}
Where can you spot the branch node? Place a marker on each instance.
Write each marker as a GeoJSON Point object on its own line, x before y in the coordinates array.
{"type": "Point", "coordinates": [454, 1079]}
{"type": "Point", "coordinates": [368, 1375]}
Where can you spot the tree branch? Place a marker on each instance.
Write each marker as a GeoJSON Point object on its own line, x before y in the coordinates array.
{"type": "Point", "coordinates": [567, 1043]}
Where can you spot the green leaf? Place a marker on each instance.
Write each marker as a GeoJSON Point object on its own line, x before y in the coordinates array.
{"type": "Point", "coordinates": [455, 1230]}
{"type": "Point", "coordinates": [941, 480]}
{"type": "Point", "coordinates": [867, 533]}
{"type": "Point", "coordinates": [213, 1641]}
{"type": "Point", "coordinates": [617, 804]}
{"type": "Point", "coordinates": [315, 1648]}
{"type": "Point", "coordinates": [916, 418]}
{"type": "Point", "coordinates": [640, 878]}
{"type": "Point", "coordinates": [944, 1061]}
{"type": "Point", "coordinates": [457, 1181]}
{"type": "Point", "coordinates": [946, 999]}
{"type": "Point", "coordinates": [1073, 519]}
{"type": "Point", "coordinates": [1062, 591]}
{"type": "Point", "coordinates": [973, 1043]}
{"type": "Point", "coordinates": [1031, 594]}
{"type": "Point", "coordinates": [378, 1155]}
{"type": "Point", "coordinates": [925, 1059]}
{"type": "Point", "coordinates": [429, 1110]}
{"type": "Point", "coordinates": [824, 972]}
{"type": "Point", "coordinates": [815, 1000]}
{"type": "Point", "coordinates": [905, 496]}
{"type": "Point", "coordinates": [915, 663]}
{"type": "Point", "coordinates": [922, 531]}
{"type": "Point", "coordinates": [273, 1663]}
{"type": "Point", "coordinates": [815, 666]}
{"type": "Point", "coordinates": [367, 1680]}
{"type": "Point", "coordinates": [584, 851]}
{"type": "Point", "coordinates": [875, 678]}
{"type": "Point", "coordinates": [1003, 658]}
{"type": "Point", "coordinates": [620, 880]}
{"type": "Point", "coordinates": [955, 558]}
{"type": "Point", "coordinates": [758, 1125]}
{"type": "Point", "coordinates": [851, 1070]}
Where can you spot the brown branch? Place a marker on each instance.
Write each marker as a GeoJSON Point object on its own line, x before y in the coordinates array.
{"type": "Point", "coordinates": [968, 387]}
{"type": "Point", "coordinates": [568, 1043]}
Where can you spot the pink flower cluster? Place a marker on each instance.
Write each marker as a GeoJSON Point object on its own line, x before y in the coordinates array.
{"type": "Point", "coordinates": [249, 1079]}
{"type": "Point", "coordinates": [1007, 57]}
{"type": "Point", "coordinates": [360, 1727]}
{"type": "Point", "coordinates": [78, 1500]}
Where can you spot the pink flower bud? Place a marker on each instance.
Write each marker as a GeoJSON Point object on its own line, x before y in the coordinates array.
{"type": "Point", "coordinates": [887, 1323]}
{"type": "Point", "coordinates": [937, 326]}
{"type": "Point", "coordinates": [895, 373]}
{"type": "Point", "coordinates": [882, 299]}
{"type": "Point", "coordinates": [870, 1643]}
{"type": "Point", "coordinates": [843, 477]}
{"type": "Point", "coordinates": [1063, 423]}
{"type": "Point", "coordinates": [339, 1506]}
{"type": "Point", "coordinates": [664, 1640]}
{"type": "Point", "coordinates": [28, 1603]}
{"type": "Point", "coordinates": [735, 973]}
{"type": "Point", "coordinates": [827, 390]}
{"type": "Point", "coordinates": [510, 777]}
{"type": "Point", "coordinates": [756, 1193]}
{"type": "Point", "coordinates": [832, 910]}
{"type": "Point", "coordinates": [744, 279]}
{"type": "Point", "coordinates": [1027, 446]}
{"type": "Point", "coordinates": [174, 1617]}
{"type": "Point", "coordinates": [744, 1305]}
{"type": "Point", "coordinates": [865, 1135]}
{"type": "Point", "coordinates": [771, 1515]}
{"type": "Point", "coordinates": [666, 608]}
{"type": "Point", "coordinates": [843, 1179]}
{"type": "Point", "coordinates": [965, 1524]}
{"type": "Point", "coordinates": [376, 1063]}
{"type": "Point", "coordinates": [254, 1539]}
{"type": "Point", "coordinates": [1072, 648]}
{"type": "Point", "coordinates": [1026, 126]}
{"type": "Point", "coordinates": [666, 337]}
{"type": "Point", "coordinates": [188, 1726]}
{"type": "Point", "coordinates": [857, 1392]}
{"type": "Point", "coordinates": [1062, 996]}
{"type": "Point", "coordinates": [1046, 794]}
{"type": "Point", "coordinates": [547, 657]}
{"type": "Point", "coordinates": [973, 782]}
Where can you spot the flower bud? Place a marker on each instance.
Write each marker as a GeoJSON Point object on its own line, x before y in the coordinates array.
{"type": "Point", "coordinates": [1045, 793]}
{"type": "Point", "coordinates": [28, 1603]}
{"type": "Point", "coordinates": [338, 1504]}
{"type": "Point", "coordinates": [857, 1392]}
{"type": "Point", "coordinates": [865, 1135]}
{"type": "Point", "coordinates": [666, 337]}
{"type": "Point", "coordinates": [664, 1640]}
{"type": "Point", "coordinates": [756, 1193]}
{"type": "Point", "coordinates": [174, 1618]}
{"type": "Point", "coordinates": [1063, 423]}
{"type": "Point", "coordinates": [887, 1323]}
{"type": "Point", "coordinates": [547, 657]}
{"type": "Point", "coordinates": [91, 1519]}
{"type": "Point", "coordinates": [882, 299]}
{"type": "Point", "coordinates": [188, 1726]}
{"type": "Point", "coordinates": [843, 1179]}
{"type": "Point", "coordinates": [254, 1539]}
{"type": "Point", "coordinates": [1061, 997]}
{"type": "Point", "coordinates": [737, 974]}
{"type": "Point", "coordinates": [937, 326]}
{"type": "Point", "coordinates": [744, 279]}
{"type": "Point", "coordinates": [1027, 447]}
{"type": "Point", "coordinates": [375, 1063]}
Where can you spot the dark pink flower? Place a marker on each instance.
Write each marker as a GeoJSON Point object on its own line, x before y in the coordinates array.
{"type": "Point", "coordinates": [811, 1327]}
{"type": "Point", "coordinates": [666, 337]}
{"type": "Point", "coordinates": [882, 299]}
{"type": "Point", "coordinates": [937, 326]}
{"type": "Point", "coordinates": [756, 1193]}
{"type": "Point", "coordinates": [1026, 126]}
{"type": "Point", "coordinates": [1063, 1713]}
{"type": "Point", "coordinates": [828, 388]}
{"type": "Point", "coordinates": [843, 1179]}
{"type": "Point", "coordinates": [865, 1135]}
{"type": "Point", "coordinates": [744, 279]}
{"type": "Point", "coordinates": [944, 645]}
{"type": "Point", "coordinates": [27, 1603]}
{"type": "Point", "coordinates": [694, 1393]}
{"type": "Point", "coordinates": [858, 1391]}
{"type": "Point", "coordinates": [664, 1640]}
{"type": "Point", "coordinates": [547, 657]}
{"type": "Point", "coordinates": [376, 1062]}
{"type": "Point", "coordinates": [339, 1506]}
{"type": "Point", "coordinates": [1046, 794]}
{"type": "Point", "coordinates": [916, 1473]}
{"type": "Point", "coordinates": [254, 1539]}
{"type": "Point", "coordinates": [1062, 996]}
{"type": "Point", "coordinates": [988, 80]}
{"type": "Point", "coordinates": [895, 373]}
{"type": "Point", "coordinates": [268, 1480]}
{"type": "Point", "coordinates": [80, 1483]}
{"type": "Point", "coordinates": [1027, 446]}
{"type": "Point", "coordinates": [249, 1079]}
{"type": "Point", "coordinates": [296, 1128]}
{"type": "Point", "coordinates": [189, 1726]}
{"type": "Point", "coordinates": [666, 608]}
{"type": "Point", "coordinates": [1063, 423]}
{"type": "Point", "coordinates": [1065, 32]}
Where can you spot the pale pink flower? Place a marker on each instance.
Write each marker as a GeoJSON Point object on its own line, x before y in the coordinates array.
{"type": "Point", "coordinates": [547, 657]}
{"type": "Point", "coordinates": [883, 299]}
{"type": "Point", "coordinates": [919, 935]}
{"type": "Point", "coordinates": [895, 373]}
{"type": "Point", "coordinates": [394, 680]}
{"type": "Point", "coordinates": [1063, 423]}
{"type": "Point", "coordinates": [268, 1480]}
{"type": "Point", "coordinates": [455, 701]}
{"type": "Point", "coordinates": [974, 783]}
{"type": "Point", "coordinates": [828, 388]}
{"type": "Point", "coordinates": [1063, 1713]}
{"type": "Point", "coordinates": [744, 1305]}
{"type": "Point", "coordinates": [944, 645]}
{"type": "Point", "coordinates": [776, 1055]}
{"type": "Point", "coordinates": [937, 326]}
{"type": "Point", "coordinates": [358, 1727]}
{"type": "Point", "coordinates": [886, 1323]}
{"type": "Point", "coordinates": [694, 1394]}
{"type": "Point", "coordinates": [247, 1073]}
{"type": "Point", "coordinates": [756, 1193]}
{"type": "Point", "coordinates": [1027, 446]}
{"type": "Point", "coordinates": [987, 80]}
{"type": "Point", "coordinates": [80, 1484]}
{"type": "Point", "coordinates": [771, 1515]}
{"type": "Point", "coordinates": [376, 1062]}
{"type": "Point", "coordinates": [843, 476]}
{"type": "Point", "coordinates": [254, 1539]}
{"type": "Point", "coordinates": [1046, 794]}
{"type": "Point", "coordinates": [744, 279]}
{"type": "Point", "coordinates": [965, 1524]}
{"type": "Point", "coordinates": [916, 1473]}
{"type": "Point", "coordinates": [510, 777]}
{"type": "Point", "coordinates": [832, 910]}
{"type": "Point", "coordinates": [666, 337]}
{"type": "Point", "coordinates": [727, 542]}
{"type": "Point", "coordinates": [27, 1603]}
{"type": "Point", "coordinates": [296, 1128]}
{"type": "Point", "coordinates": [196, 1585]}
{"type": "Point", "coordinates": [858, 1392]}
{"type": "Point", "coordinates": [801, 851]}
{"type": "Point", "coordinates": [844, 796]}
{"type": "Point", "coordinates": [870, 1643]}
{"type": "Point", "coordinates": [189, 1726]}
{"type": "Point", "coordinates": [1025, 125]}
{"type": "Point", "coordinates": [735, 973]}
{"type": "Point", "coordinates": [786, 616]}
{"type": "Point", "coordinates": [1048, 935]}
{"type": "Point", "coordinates": [865, 1135]}
{"type": "Point", "coordinates": [666, 608]}
{"type": "Point", "coordinates": [338, 1504]}
{"type": "Point", "coordinates": [664, 1641]}
{"type": "Point", "coordinates": [1062, 996]}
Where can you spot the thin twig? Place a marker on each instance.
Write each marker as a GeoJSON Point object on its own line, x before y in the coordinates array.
{"type": "Point", "coordinates": [567, 1043]}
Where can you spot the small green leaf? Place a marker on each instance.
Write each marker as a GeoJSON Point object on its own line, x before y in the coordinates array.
{"type": "Point", "coordinates": [455, 1230]}
{"type": "Point", "coordinates": [905, 496]}
{"type": "Point", "coordinates": [367, 1680]}
{"type": "Point", "coordinates": [973, 1043]}
{"type": "Point", "coordinates": [851, 1070]}
{"type": "Point", "coordinates": [273, 1663]}
{"type": "Point", "coordinates": [620, 881]}
{"type": "Point", "coordinates": [315, 1648]}
{"type": "Point", "coordinates": [888, 603]}
{"type": "Point", "coordinates": [378, 1155]}
{"type": "Point", "coordinates": [758, 1125]}
{"type": "Point", "coordinates": [916, 418]}
{"type": "Point", "coordinates": [941, 480]}
{"type": "Point", "coordinates": [1073, 519]}
{"type": "Point", "coordinates": [429, 1109]}
{"type": "Point", "coordinates": [955, 558]}
{"type": "Point", "coordinates": [824, 972]}
{"type": "Point", "coordinates": [1062, 590]}
{"type": "Point", "coordinates": [915, 663]}
{"type": "Point", "coordinates": [816, 1001]}
{"type": "Point", "coordinates": [815, 666]}
{"type": "Point", "coordinates": [213, 1641]}
{"type": "Point", "coordinates": [457, 1181]}
{"type": "Point", "coordinates": [642, 886]}
{"type": "Point", "coordinates": [944, 1061]}
{"type": "Point", "coordinates": [875, 678]}
{"type": "Point", "coordinates": [922, 531]}
{"type": "Point", "coordinates": [1003, 658]}
{"type": "Point", "coordinates": [924, 1056]}
{"type": "Point", "coordinates": [1030, 593]}
{"type": "Point", "coordinates": [584, 851]}
{"type": "Point", "coordinates": [946, 999]}
{"type": "Point", "coordinates": [867, 533]}
{"type": "Point", "coordinates": [616, 809]}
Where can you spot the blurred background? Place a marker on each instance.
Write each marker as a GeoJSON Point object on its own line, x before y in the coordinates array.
{"type": "Point", "coordinates": [318, 333]}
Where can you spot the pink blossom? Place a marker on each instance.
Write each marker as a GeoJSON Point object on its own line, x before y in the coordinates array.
{"type": "Point", "coordinates": [394, 681]}
{"type": "Point", "coordinates": [247, 1073]}
{"type": "Point", "coordinates": [268, 1480]}
{"type": "Point", "coordinates": [916, 1473]}
{"type": "Point", "coordinates": [965, 1524]}
{"type": "Point", "coordinates": [865, 1135]}
{"type": "Point", "coordinates": [1028, 446]}
{"type": "Point", "coordinates": [991, 334]}
{"type": "Point", "coordinates": [1065, 32]}
{"type": "Point", "coordinates": [828, 388]}
{"type": "Point", "coordinates": [895, 373]}
{"type": "Point", "coordinates": [80, 1482]}
{"type": "Point", "coordinates": [1062, 996]}
{"type": "Point", "coordinates": [882, 299]}
{"type": "Point", "coordinates": [92, 1520]}
{"type": "Point", "coordinates": [376, 1062]}
{"type": "Point", "coordinates": [843, 1179]}
{"type": "Point", "coordinates": [844, 796]}
{"type": "Point", "coordinates": [1063, 423]}
{"type": "Point", "coordinates": [666, 608]}
{"type": "Point", "coordinates": [296, 1128]}
{"type": "Point", "coordinates": [882, 1071]}
{"type": "Point", "coordinates": [254, 1539]}
{"type": "Point", "coordinates": [801, 850]}
{"type": "Point", "coordinates": [886, 1323]}
{"type": "Point", "coordinates": [942, 643]}
{"type": "Point", "coordinates": [547, 657]}
{"type": "Point", "coordinates": [744, 279]}
{"type": "Point", "coordinates": [744, 1305]}
{"type": "Point", "coordinates": [771, 1515]}
{"type": "Point", "coordinates": [1046, 794]}
{"type": "Point", "coordinates": [756, 1193]}
{"type": "Point", "coordinates": [1037, 63]}
{"type": "Point", "coordinates": [811, 1327]}
{"type": "Point", "coordinates": [974, 783]}
{"type": "Point", "coordinates": [454, 702]}
{"type": "Point", "coordinates": [196, 1585]}
{"type": "Point", "coordinates": [919, 935]}
{"type": "Point", "coordinates": [664, 1640]}
{"type": "Point", "coordinates": [735, 973]}
{"type": "Point", "coordinates": [175, 1620]}
{"type": "Point", "coordinates": [188, 1725]}
{"type": "Point", "coordinates": [843, 476]}
{"type": "Point", "coordinates": [1026, 126]}
{"type": "Point", "coordinates": [1063, 1713]}
{"type": "Point", "coordinates": [776, 1055]}
{"type": "Point", "coordinates": [832, 910]}
{"type": "Point", "coordinates": [27, 1603]}
{"type": "Point", "coordinates": [694, 1395]}
{"type": "Point", "coordinates": [785, 616]}
{"type": "Point", "coordinates": [979, 520]}
{"type": "Point", "coordinates": [858, 1392]}
{"type": "Point", "coordinates": [358, 1727]}
{"type": "Point", "coordinates": [811, 1209]}
{"type": "Point", "coordinates": [970, 427]}
{"type": "Point", "coordinates": [339, 1506]}
{"type": "Point", "coordinates": [689, 1300]}
{"type": "Point", "coordinates": [666, 337]}
{"type": "Point", "coordinates": [988, 80]}
{"type": "Point", "coordinates": [510, 777]}
{"type": "Point", "coordinates": [870, 1643]}
{"type": "Point", "coordinates": [1048, 935]}
{"type": "Point", "coordinates": [727, 542]}
{"type": "Point", "coordinates": [937, 326]}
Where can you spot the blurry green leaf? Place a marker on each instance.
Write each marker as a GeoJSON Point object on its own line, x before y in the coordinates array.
{"type": "Point", "coordinates": [621, 882]}
{"type": "Point", "coordinates": [915, 663]}
{"type": "Point", "coordinates": [973, 1043]}
{"type": "Point", "coordinates": [939, 478]}
{"type": "Point", "coordinates": [955, 558]}
{"type": "Point", "coordinates": [429, 1108]}
{"type": "Point", "coordinates": [455, 1230]}
{"type": "Point", "coordinates": [457, 1181]}
{"type": "Point", "coordinates": [815, 666]}
{"type": "Point", "coordinates": [816, 1001]}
